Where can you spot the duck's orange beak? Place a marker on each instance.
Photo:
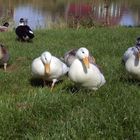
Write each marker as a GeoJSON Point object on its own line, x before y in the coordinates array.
{"type": "Point", "coordinates": [47, 68]}
{"type": "Point", "coordinates": [86, 62]}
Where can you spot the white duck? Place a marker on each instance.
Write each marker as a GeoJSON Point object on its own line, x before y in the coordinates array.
{"type": "Point", "coordinates": [70, 56]}
{"type": "Point", "coordinates": [49, 68]}
{"type": "Point", "coordinates": [131, 60]}
{"type": "Point", "coordinates": [85, 73]}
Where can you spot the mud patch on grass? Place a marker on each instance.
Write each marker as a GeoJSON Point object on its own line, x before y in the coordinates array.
{"type": "Point", "coordinates": [12, 68]}
{"type": "Point", "coordinates": [23, 106]}
{"type": "Point", "coordinates": [16, 65]}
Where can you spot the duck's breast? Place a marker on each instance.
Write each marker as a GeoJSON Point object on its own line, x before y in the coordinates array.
{"type": "Point", "coordinates": [56, 68]}
{"type": "Point", "coordinates": [87, 77]}
{"type": "Point", "coordinates": [94, 77]}
{"type": "Point", "coordinates": [132, 65]}
{"type": "Point", "coordinates": [38, 68]}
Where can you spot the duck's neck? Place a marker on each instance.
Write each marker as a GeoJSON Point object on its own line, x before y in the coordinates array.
{"type": "Point", "coordinates": [21, 24]}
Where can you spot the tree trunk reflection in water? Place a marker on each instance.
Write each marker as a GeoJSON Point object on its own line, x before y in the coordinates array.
{"type": "Point", "coordinates": [87, 13]}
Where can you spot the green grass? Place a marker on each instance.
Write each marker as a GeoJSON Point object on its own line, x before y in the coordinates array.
{"type": "Point", "coordinates": [28, 111]}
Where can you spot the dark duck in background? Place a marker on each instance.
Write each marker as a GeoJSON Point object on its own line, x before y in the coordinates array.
{"type": "Point", "coordinates": [4, 56]}
{"type": "Point", "coordinates": [23, 31]}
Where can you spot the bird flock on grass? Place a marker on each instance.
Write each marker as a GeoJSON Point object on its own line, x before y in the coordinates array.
{"type": "Point", "coordinates": [78, 63]}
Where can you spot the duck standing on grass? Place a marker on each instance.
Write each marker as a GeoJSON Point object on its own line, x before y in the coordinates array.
{"type": "Point", "coordinates": [49, 68]}
{"type": "Point", "coordinates": [131, 59]}
{"type": "Point", "coordinates": [4, 56]}
{"type": "Point", "coordinates": [4, 27]}
{"type": "Point", "coordinates": [84, 72]}
{"type": "Point", "coordinates": [23, 31]}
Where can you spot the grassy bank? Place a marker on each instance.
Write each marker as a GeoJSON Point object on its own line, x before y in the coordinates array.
{"type": "Point", "coordinates": [28, 111]}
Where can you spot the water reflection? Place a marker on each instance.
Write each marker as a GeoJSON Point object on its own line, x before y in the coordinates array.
{"type": "Point", "coordinates": [128, 19]}
{"type": "Point", "coordinates": [35, 18]}
{"type": "Point", "coordinates": [105, 13]}
{"type": "Point", "coordinates": [44, 14]}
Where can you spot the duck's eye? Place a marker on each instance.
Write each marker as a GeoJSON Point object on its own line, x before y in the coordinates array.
{"type": "Point", "coordinates": [82, 51]}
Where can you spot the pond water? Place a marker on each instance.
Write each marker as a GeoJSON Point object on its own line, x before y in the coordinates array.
{"type": "Point", "coordinates": [53, 13]}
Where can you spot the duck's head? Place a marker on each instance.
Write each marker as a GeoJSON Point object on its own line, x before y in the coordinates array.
{"type": "Point", "coordinates": [6, 24]}
{"type": "Point", "coordinates": [83, 55]}
{"type": "Point", "coordinates": [46, 59]}
{"type": "Point", "coordinates": [21, 21]}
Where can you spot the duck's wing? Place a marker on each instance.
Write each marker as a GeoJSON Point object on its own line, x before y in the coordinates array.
{"type": "Point", "coordinates": [129, 52]}
{"type": "Point", "coordinates": [92, 59]}
{"type": "Point", "coordinates": [59, 66]}
{"type": "Point", "coordinates": [29, 32]}
{"type": "Point", "coordinates": [99, 67]}
{"type": "Point", "coordinates": [20, 31]}
{"type": "Point", "coordinates": [65, 68]}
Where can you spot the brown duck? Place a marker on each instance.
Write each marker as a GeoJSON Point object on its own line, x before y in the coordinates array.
{"type": "Point", "coordinates": [4, 27]}
{"type": "Point", "coordinates": [4, 56]}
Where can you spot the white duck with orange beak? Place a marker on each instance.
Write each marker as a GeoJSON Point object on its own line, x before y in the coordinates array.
{"type": "Point", "coordinates": [49, 68]}
{"type": "Point", "coordinates": [85, 73]}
